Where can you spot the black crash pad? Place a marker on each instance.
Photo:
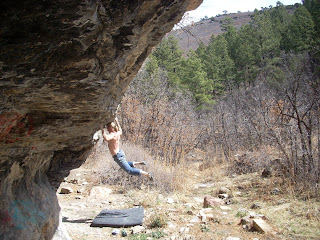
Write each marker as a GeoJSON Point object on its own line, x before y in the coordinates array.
{"type": "Point", "coordinates": [119, 218]}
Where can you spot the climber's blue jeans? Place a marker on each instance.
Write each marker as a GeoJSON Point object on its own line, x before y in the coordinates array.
{"type": "Point", "coordinates": [120, 158]}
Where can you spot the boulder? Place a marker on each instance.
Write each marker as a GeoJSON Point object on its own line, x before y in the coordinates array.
{"type": "Point", "coordinates": [100, 193]}
{"type": "Point", "coordinates": [256, 222]}
{"type": "Point", "coordinates": [137, 229]}
{"type": "Point", "coordinates": [225, 208]}
{"type": "Point", "coordinates": [61, 233]}
{"type": "Point", "coordinates": [224, 190]}
{"type": "Point", "coordinates": [255, 206]}
{"type": "Point", "coordinates": [65, 66]}
{"type": "Point", "coordinates": [66, 190]}
{"type": "Point", "coordinates": [262, 226]}
{"type": "Point", "coordinates": [223, 196]}
{"type": "Point", "coordinates": [212, 201]}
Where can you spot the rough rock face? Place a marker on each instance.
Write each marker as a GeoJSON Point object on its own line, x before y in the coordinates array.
{"type": "Point", "coordinates": [64, 65]}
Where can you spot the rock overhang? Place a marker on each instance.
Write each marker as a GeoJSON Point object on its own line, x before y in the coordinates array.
{"type": "Point", "coordinates": [64, 67]}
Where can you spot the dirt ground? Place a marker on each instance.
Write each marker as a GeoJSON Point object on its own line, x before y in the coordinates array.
{"type": "Point", "coordinates": [177, 211]}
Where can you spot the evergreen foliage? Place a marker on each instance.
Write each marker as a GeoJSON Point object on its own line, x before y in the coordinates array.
{"type": "Point", "coordinates": [313, 6]}
{"type": "Point", "coordinates": [300, 31]}
{"type": "Point", "coordinates": [169, 57]}
{"type": "Point", "coordinates": [226, 23]}
{"type": "Point", "coordinates": [239, 57]}
{"type": "Point", "coordinates": [195, 79]}
{"type": "Point", "coordinates": [219, 66]}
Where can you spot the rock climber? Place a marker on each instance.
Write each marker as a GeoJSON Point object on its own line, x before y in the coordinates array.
{"type": "Point", "coordinates": [113, 139]}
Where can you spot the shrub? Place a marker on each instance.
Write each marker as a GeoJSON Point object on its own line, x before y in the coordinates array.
{"type": "Point", "coordinates": [158, 220]}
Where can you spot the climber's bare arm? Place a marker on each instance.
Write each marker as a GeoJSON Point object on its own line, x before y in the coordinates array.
{"type": "Point", "coordinates": [107, 137]}
{"type": "Point", "coordinates": [119, 128]}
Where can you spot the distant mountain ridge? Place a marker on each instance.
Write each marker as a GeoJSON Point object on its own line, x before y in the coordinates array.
{"type": "Point", "coordinates": [191, 36]}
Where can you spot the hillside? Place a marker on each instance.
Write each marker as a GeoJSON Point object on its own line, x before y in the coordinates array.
{"type": "Point", "coordinates": [190, 37]}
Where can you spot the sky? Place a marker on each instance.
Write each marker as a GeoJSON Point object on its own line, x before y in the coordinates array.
{"type": "Point", "coordinates": [211, 8]}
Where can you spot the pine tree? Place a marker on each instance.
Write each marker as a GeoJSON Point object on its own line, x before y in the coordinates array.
{"type": "Point", "coordinates": [239, 51]}
{"type": "Point", "coordinates": [242, 52]}
{"type": "Point", "coordinates": [280, 19]}
{"type": "Point", "coordinates": [226, 23]}
{"type": "Point", "coordinates": [266, 41]}
{"type": "Point", "coordinates": [169, 56]}
{"type": "Point", "coordinates": [195, 79]}
{"type": "Point", "coordinates": [152, 66]}
{"type": "Point", "coordinates": [218, 65]}
{"type": "Point", "coordinates": [202, 52]}
{"type": "Point", "coordinates": [300, 32]}
{"type": "Point", "coordinates": [313, 6]}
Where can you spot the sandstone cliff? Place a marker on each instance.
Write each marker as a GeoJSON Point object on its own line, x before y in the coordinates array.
{"type": "Point", "coordinates": [64, 66]}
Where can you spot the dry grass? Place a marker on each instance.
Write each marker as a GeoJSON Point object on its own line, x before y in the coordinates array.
{"type": "Point", "coordinates": [292, 218]}
{"type": "Point", "coordinates": [167, 177]}
{"type": "Point", "coordinates": [158, 219]}
{"type": "Point", "coordinates": [295, 219]}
